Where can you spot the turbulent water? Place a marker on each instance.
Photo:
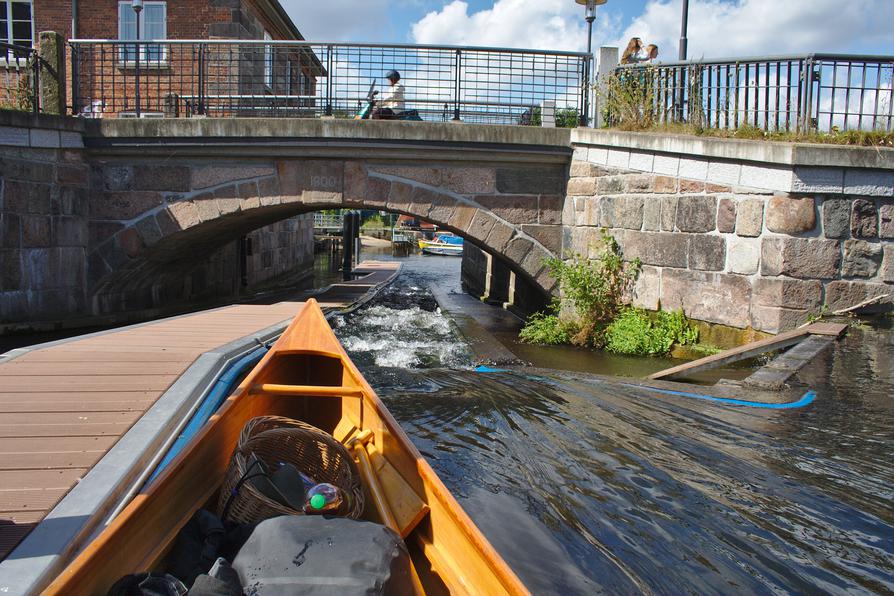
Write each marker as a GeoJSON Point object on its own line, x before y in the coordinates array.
{"type": "Point", "coordinates": [585, 485]}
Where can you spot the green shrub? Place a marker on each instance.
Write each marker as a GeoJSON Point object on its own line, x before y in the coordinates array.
{"type": "Point", "coordinates": [635, 332]}
{"type": "Point", "coordinates": [374, 222]}
{"type": "Point", "coordinates": [547, 329]}
{"type": "Point", "coordinates": [593, 292]}
{"type": "Point", "coordinates": [565, 118]}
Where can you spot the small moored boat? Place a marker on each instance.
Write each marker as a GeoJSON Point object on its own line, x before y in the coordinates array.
{"type": "Point", "coordinates": [305, 376]}
{"type": "Point", "coordinates": [443, 244]}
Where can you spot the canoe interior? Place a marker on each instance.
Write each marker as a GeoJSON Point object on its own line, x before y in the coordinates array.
{"type": "Point", "coordinates": [449, 552]}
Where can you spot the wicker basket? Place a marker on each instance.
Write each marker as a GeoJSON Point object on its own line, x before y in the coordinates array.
{"type": "Point", "coordinates": [274, 439]}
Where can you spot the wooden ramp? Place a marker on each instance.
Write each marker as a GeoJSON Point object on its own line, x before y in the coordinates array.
{"type": "Point", "coordinates": [371, 275]}
{"type": "Point", "coordinates": [783, 340]}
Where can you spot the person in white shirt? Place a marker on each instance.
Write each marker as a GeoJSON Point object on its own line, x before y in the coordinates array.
{"type": "Point", "coordinates": [392, 99]}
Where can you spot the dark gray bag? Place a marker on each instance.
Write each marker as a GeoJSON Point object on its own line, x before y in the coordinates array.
{"type": "Point", "coordinates": [315, 555]}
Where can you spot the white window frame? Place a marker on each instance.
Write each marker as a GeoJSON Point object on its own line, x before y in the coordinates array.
{"type": "Point", "coordinates": [162, 61]}
{"type": "Point", "coordinates": [9, 57]}
{"type": "Point", "coordinates": [268, 60]}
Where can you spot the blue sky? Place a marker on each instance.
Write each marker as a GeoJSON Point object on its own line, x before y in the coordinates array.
{"type": "Point", "coordinates": [717, 27]}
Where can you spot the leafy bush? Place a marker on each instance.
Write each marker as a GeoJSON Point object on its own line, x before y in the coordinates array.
{"type": "Point", "coordinates": [565, 118]}
{"type": "Point", "coordinates": [592, 311]}
{"type": "Point", "coordinates": [374, 222]}
{"type": "Point", "coordinates": [634, 332]}
{"type": "Point", "coordinates": [593, 291]}
{"type": "Point", "coordinates": [547, 329]}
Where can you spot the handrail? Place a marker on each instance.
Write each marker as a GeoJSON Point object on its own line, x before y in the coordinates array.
{"type": "Point", "coordinates": [814, 92]}
{"type": "Point", "coordinates": [762, 59]}
{"type": "Point", "coordinates": [298, 78]}
{"type": "Point", "coordinates": [336, 44]}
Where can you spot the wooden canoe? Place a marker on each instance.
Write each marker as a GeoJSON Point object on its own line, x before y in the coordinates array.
{"type": "Point", "coordinates": [308, 376]}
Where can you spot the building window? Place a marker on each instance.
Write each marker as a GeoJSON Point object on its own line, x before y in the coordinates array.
{"type": "Point", "coordinates": [153, 25]}
{"type": "Point", "coordinates": [268, 61]}
{"type": "Point", "coordinates": [17, 22]}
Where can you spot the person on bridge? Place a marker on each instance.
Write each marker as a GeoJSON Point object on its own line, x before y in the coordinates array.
{"type": "Point", "coordinates": [634, 51]}
{"type": "Point", "coordinates": [393, 99]}
{"type": "Point", "coordinates": [651, 53]}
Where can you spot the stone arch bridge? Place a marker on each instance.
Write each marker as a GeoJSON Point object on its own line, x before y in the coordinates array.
{"type": "Point", "coordinates": [165, 193]}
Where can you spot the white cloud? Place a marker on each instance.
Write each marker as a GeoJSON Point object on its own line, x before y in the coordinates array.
{"type": "Point", "coordinates": [540, 24]}
{"type": "Point", "coordinates": [764, 27]}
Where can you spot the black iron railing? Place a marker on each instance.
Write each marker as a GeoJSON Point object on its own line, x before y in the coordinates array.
{"type": "Point", "coordinates": [815, 92]}
{"type": "Point", "coordinates": [20, 68]}
{"type": "Point", "coordinates": [227, 78]}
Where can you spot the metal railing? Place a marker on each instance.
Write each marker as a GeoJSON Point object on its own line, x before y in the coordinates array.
{"type": "Point", "coordinates": [328, 221]}
{"type": "Point", "coordinates": [814, 92]}
{"type": "Point", "coordinates": [231, 78]}
{"type": "Point", "coordinates": [20, 68]}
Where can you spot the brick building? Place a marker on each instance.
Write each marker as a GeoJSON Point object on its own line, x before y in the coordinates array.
{"type": "Point", "coordinates": [253, 78]}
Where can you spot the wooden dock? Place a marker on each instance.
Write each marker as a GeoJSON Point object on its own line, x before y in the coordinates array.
{"type": "Point", "coordinates": [64, 405]}
{"type": "Point", "coordinates": [778, 342]}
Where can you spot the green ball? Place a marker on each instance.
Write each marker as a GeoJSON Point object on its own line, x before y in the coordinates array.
{"type": "Point", "coordinates": [318, 501]}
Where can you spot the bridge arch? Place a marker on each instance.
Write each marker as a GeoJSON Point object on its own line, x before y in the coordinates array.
{"type": "Point", "coordinates": [158, 217]}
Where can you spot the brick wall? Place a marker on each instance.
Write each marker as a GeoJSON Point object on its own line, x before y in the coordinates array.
{"type": "Point", "coordinates": [102, 76]}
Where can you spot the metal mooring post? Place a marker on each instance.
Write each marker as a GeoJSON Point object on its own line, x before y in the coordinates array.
{"type": "Point", "coordinates": [347, 241]}
{"type": "Point", "coordinates": [356, 238]}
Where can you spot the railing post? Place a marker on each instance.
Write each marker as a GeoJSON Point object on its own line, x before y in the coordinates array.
{"type": "Point", "coordinates": [35, 82]}
{"type": "Point", "coordinates": [605, 67]}
{"type": "Point", "coordinates": [200, 109]}
{"type": "Point", "coordinates": [681, 95]}
{"type": "Point", "coordinates": [457, 86]}
{"type": "Point", "coordinates": [807, 110]}
{"type": "Point", "coordinates": [51, 58]}
{"type": "Point", "coordinates": [75, 80]}
{"type": "Point", "coordinates": [330, 78]}
{"type": "Point", "coordinates": [137, 80]}
{"type": "Point", "coordinates": [585, 91]}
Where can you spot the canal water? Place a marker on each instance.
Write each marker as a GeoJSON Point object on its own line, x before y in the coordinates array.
{"type": "Point", "coordinates": [587, 485]}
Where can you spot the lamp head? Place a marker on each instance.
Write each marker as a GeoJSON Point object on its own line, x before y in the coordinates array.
{"type": "Point", "coordinates": [590, 6]}
{"type": "Point", "coordinates": [137, 6]}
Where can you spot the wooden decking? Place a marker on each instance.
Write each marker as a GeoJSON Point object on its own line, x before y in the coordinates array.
{"type": "Point", "coordinates": [63, 407]}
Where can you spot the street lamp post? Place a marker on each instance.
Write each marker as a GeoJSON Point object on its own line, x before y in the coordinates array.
{"type": "Point", "coordinates": [684, 41]}
{"type": "Point", "coordinates": [590, 16]}
{"type": "Point", "coordinates": [137, 6]}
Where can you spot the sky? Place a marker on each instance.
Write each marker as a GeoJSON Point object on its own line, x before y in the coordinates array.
{"type": "Point", "coordinates": [717, 28]}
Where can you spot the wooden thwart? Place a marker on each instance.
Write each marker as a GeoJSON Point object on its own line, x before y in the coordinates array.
{"type": "Point", "coordinates": [783, 340]}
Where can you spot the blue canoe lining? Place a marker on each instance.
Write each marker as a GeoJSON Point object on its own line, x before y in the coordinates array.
{"type": "Point", "coordinates": [212, 402]}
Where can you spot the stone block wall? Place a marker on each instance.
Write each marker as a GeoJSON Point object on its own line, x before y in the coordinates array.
{"type": "Point", "coordinates": [65, 218]}
{"type": "Point", "coordinates": [722, 239]}
{"type": "Point", "coordinates": [43, 219]}
{"type": "Point", "coordinates": [281, 252]}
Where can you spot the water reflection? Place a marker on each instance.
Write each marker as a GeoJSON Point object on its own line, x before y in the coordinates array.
{"type": "Point", "coordinates": [588, 486]}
